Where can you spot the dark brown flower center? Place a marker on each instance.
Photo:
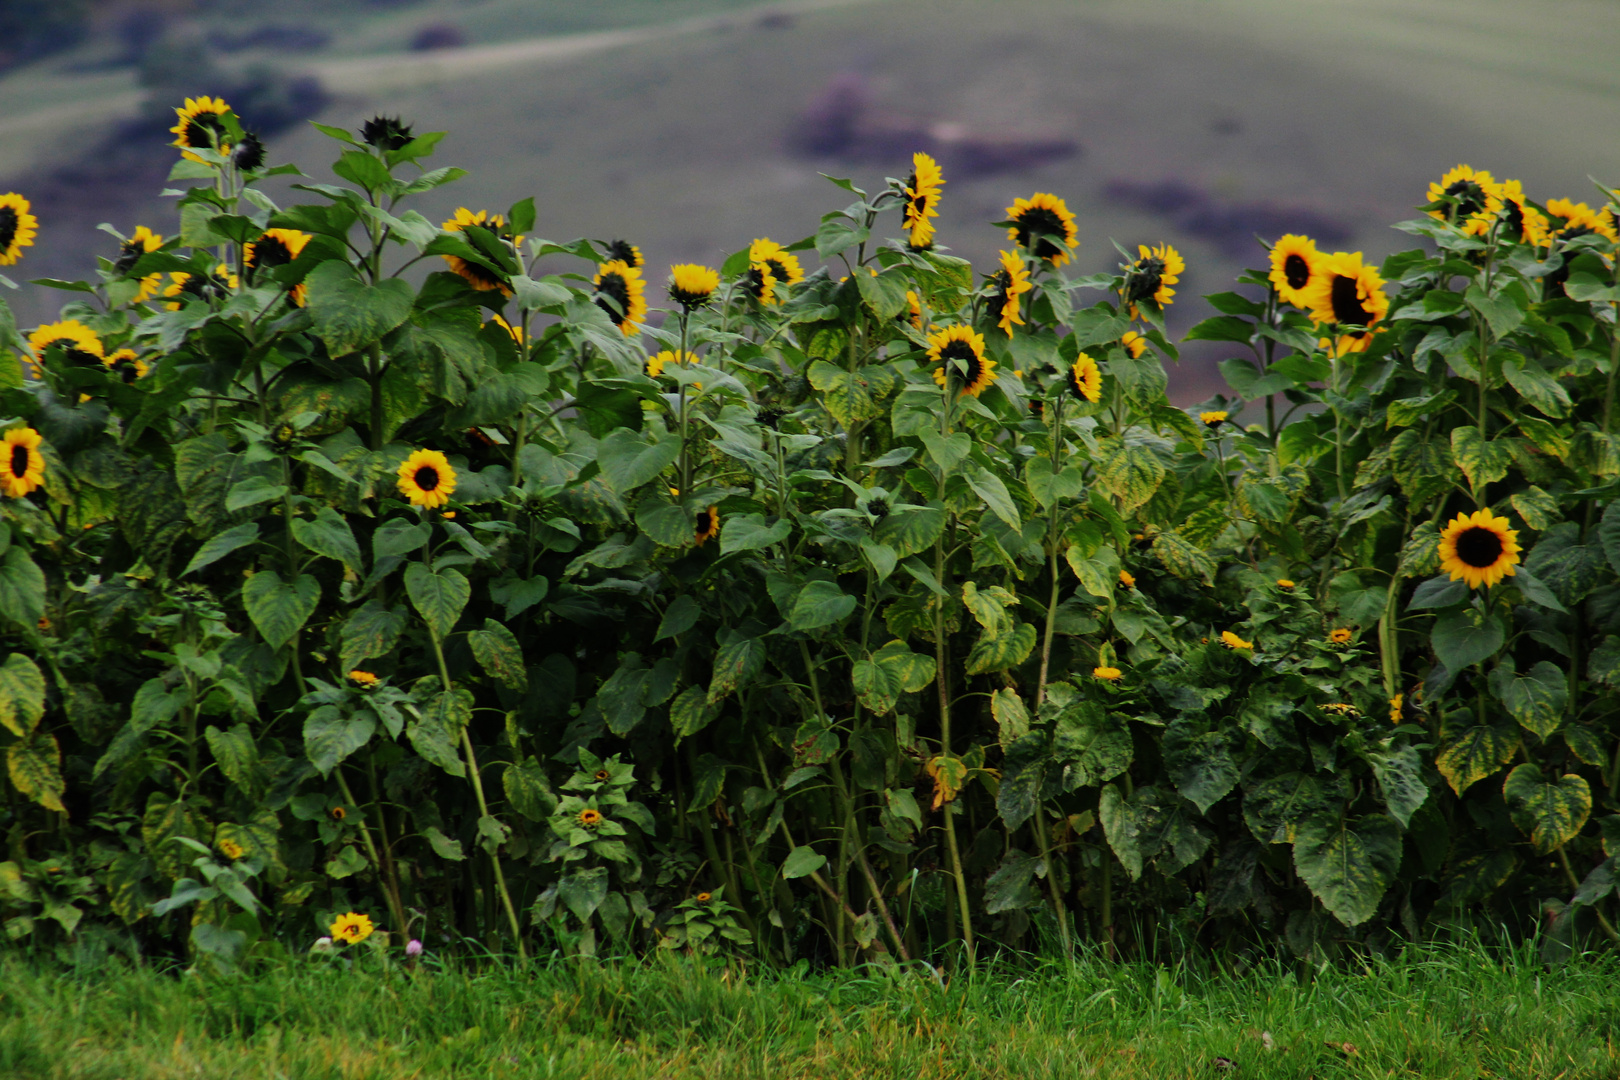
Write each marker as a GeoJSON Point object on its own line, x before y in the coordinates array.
{"type": "Point", "coordinates": [1479, 547]}
{"type": "Point", "coordinates": [1469, 197]}
{"type": "Point", "coordinates": [1146, 277]}
{"type": "Point", "coordinates": [266, 252]}
{"type": "Point", "coordinates": [199, 128]}
{"type": "Point", "coordinates": [778, 269]}
{"type": "Point", "coordinates": [1296, 271]}
{"type": "Point", "coordinates": [129, 253]}
{"type": "Point", "coordinates": [8, 226]}
{"type": "Point", "coordinates": [624, 252]}
{"type": "Point", "coordinates": [615, 287]}
{"type": "Point", "coordinates": [19, 459]}
{"type": "Point", "coordinates": [1513, 214]}
{"type": "Point", "coordinates": [756, 282]}
{"type": "Point", "coordinates": [1347, 307]}
{"type": "Point", "coordinates": [427, 478]}
{"type": "Point", "coordinates": [1042, 222]}
{"type": "Point", "coordinates": [705, 522]}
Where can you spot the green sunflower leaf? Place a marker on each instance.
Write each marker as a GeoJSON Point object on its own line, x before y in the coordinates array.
{"type": "Point", "coordinates": [820, 603]}
{"type": "Point", "coordinates": [371, 631]}
{"type": "Point", "coordinates": [326, 534]}
{"type": "Point", "coordinates": [1464, 638]}
{"type": "Point", "coordinates": [35, 765]}
{"type": "Point", "coordinates": [1550, 812]}
{"type": "Point", "coordinates": [349, 314]}
{"type": "Point", "coordinates": [1536, 700]}
{"type": "Point", "coordinates": [329, 737]}
{"type": "Point", "coordinates": [1002, 652]}
{"type": "Point", "coordinates": [1476, 752]}
{"type": "Point", "coordinates": [280, 609]}
{"type": "Point", "coordinates": [499, 654]}
{"type": "Point", "coordinates": [1130, 473]}
{"type": "Point", "coordinates": [1348, 865]}
{"type": "Point", "coordinates": [219, 545]}
{"type": "Point", "coordinates": [802, 862]}
{"type": "Point", "coordinates": [22, 588]}
{"type": "Point", "coordinates": [911, 529]}
{"type": "Point", "coordinates": [628, 460]}
{"type": "Point", "coordinates": [439, 596]}
{"type": "Point", "coordinates": [748, 532]}
{"type": "Point", "coordinates": [1483, 461]}
{"type": "Point", "coordinates": [22, 695]}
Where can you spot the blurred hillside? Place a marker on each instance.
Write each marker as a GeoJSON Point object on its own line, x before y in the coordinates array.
{"type": "Point", "coordinates": [691, 126]}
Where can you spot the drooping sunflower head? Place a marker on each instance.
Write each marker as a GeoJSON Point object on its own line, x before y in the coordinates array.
{"type": "Point", "coordinates": [692, 285]}
{"type": "Point", "coordinates": [1107, 674]}
{"type": "Point", "coordinates": [1232, 641]}
{"type": "Point", "coordinates": [277, 247]}
{"type": "Point", "coordinates": [351, 928]}
{"type": "Point", "coordinates": [1295, 266]}
{"type": "Point", "coordinates": [1460, 194]}
{"type": "Point", "coordinates": [1213, 418]}
{"type": "Point", "coordinates": [1135, 344]}
{"type": "Point", "coordinates": [922, 200]}
{"type": "Point", "coordinates": [625, 252]}
{"type": "Point", "coordinates": [708, 525]}
{"type": "Point", "coordinates": [619, 282]}
{"type": "Point", "coordinates": [957, 353]}
{"type": "Point", "coordinates": [1152, 274]}
{"type": "Point", "coordinates": [1040, 224]}
{"type": "Point", "coordinates": [782, 263]}
{"type": "Point", "coordinates": [201, 126]}
{"type": "Point", "coordinates": [1006, 286]}
{"type": "Point", "coordinates": [126, 364]}
{"type": "Point", "coordinates": [79, 344]}
{"type": "Point", "coordinates": [386, 133]}
{"type": "Point", "coordinates": [657, 363]}
{"type": "Point", "coordinates": [426, 479]}
{"type": "Point", "coordinates": [18, 227]}
{"type": "Point", "coordinates": [1479, 549]}
{"type": "Point", "coordinates": [1340, 636]}
{"type": "Point", "coordinates": [1085, 378]}
{"type": "Point", "coordinates": [475, 274]}
{"type": "Point", "coordinates": [22, 466]}
{"type": "Point", "coordinates": [1350, 295]}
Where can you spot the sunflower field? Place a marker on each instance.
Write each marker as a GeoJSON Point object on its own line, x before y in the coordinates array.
{"type": "Point", "coordinates": [366, 580]}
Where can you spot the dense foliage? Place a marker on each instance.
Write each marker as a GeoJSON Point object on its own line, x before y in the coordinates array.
{"type": "Point", "coordinates": [836, 615]}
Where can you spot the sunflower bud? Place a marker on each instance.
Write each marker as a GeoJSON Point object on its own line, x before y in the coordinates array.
{"type": "Point", "coordinates": [386, 133]}
{"type": "Point", "coordinates": [249, 153]}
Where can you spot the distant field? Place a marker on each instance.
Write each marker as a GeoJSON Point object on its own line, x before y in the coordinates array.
{"type": "Point", "coordinates": [676, 140]}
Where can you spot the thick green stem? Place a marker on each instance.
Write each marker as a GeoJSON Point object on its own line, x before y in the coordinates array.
{"type": "Point", "coordinates": [390, 889]}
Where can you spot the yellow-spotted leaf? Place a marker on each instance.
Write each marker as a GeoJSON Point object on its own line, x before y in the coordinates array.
{"type": "Point", "coordinates": [1475, 753]}
{"type": "Point", "coordinates": [1483, 461]}
{"type": "Point", "coordinates": [22, 695]}
{"type": "Point", "coordinates": [1550, 812]}
{"type": "Point", "coordinates": [1012, 718]}
{"type": "Point", "coordinates": [35, 765]}
{"type": "Point", "coordinates": [1002, 652]}
{"type": "Point", "coordinates": [1130, 473]}
{"type": "Point", "coordinates": [1348, 864]}
{"type": "Point", "coordinates": [1182, 559]}
{"type": "Point", "coordinates": [949, 773]}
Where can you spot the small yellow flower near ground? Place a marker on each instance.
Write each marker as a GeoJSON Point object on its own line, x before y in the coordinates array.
{"type": "Point", "coordinates": [1284, 583]}
{"type": "Point", "coordinates": [362, 678]}
{"type": "Point", "coordinates": [1108, 674]}
{"type": "Point", "coordinates": [704, 898]}
{"type": "Point", "coordinates": [590, 818]}
{"type": "Point", "coordinates": [1395, 704]}
{"type": "Point", "coordinates": [1340, 636]}
{"type": "Point", "coordinates": [352, 928]}
{"type": "Point", "coordinates": [1232, 641]}
{"type": "Point", "coordinates": [1126, 579]}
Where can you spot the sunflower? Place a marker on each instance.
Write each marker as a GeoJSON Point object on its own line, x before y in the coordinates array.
{"type": "Point", "coordinates": [1581, 220]}
{"type": "Point", "coordinates": [622, 282]}
{"type": "Point", "coordinates": [1395, 708]}
{"type": "Point", "coordinates": [1213, 419]}
{"type": "Point", "coordinates": [590, 818]}
{"type": "Point", "coordinates": [626, 252]}
{"type": "Point", "coordinates": [22, 466]}
{"type": "Point", "coordinates": [201, 126]}
{"type": "Point", "coordinates": [277, 247]}
{"type": "Point", "coordinates": [1349, 294]}
{"type": "Point", "coordinates": [784, 266]}
{"type": "Point", "coordinates": [79, 343]}
{"type": "Point", "coordinates": [183, 285]}
{"type": "Point", "coordinates": [1340, 636]}
{"type": "Point", "coordinates": [1284, 583]}
{"type": "Point", "coordinates": [704, 898]}
{"type": "Point", "coordinates": [1135, 344]}
{"type": "Point", "coordinates": [127, 365]}
{"type": "Point", "coordinates": [656, 364]}
{"type": "Point", "coordinates": [1107, 674]}
{"type": "Point", "coordinates": [338, 813]}
{"type": "Point", "coordinates": [601, 775]}
{"type": "Point", "coordinates": [1038, 220]}
{"type": "Point", "coordinates": [1127, 579]}
{"type": "Point", "coordinates": [130, 252]}
{"type": "Point", "coordinates": [426, 479]}
{"type": "Point", "coordinates": [959, 352]}
{"type": "Point", "coordinates": [362, 678]}
{"type": "Point", "coordinates": [692, 285]}
{"type": "Point", "coordinates": [1009, 283]}
{"type": "Point", "coordinates": [1479, 548]}
{"type": "Point", "coordinates": [386, 133]}
{"type": "Point", "coordinates": [478, 275]}
{"type": "Point", "coordinates": [1343, 708]}
{"type": "Point", "coordinates": [1460, 194]}
{"type": "Point", "coordinates": [760, 283]}
{"type": "Point", "coordinates": [913, 312]}
{"type": "Point", "coordinates": [17, 227]}
{"type": "Point", "coordinates": [249, 153]}
{"type": "Point", "coordinates": [231, 849]}
{"type": "Point", "coordinates": [1152, 274]}
{"type": "Point", "coordinates": [1521, 222]}
{"type": "Point", "coordinates": [922, 198]}
{"type": "Point", "coordinates": [515, 331]}
{"type": "Point", "coordinates": [1085, 378]}
{"type": "Point", "coordinates": [1295, 264]}
{"type": "Point", "coordinates": [351, 928]}
{"type": "Point", "coordinates": [1232, 641]}
{"type": "Point", "coordinates": [708, 525]}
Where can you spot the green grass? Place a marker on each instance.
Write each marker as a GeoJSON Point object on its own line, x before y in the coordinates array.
{"type": "Point", "coordinates": [1438, 1012]}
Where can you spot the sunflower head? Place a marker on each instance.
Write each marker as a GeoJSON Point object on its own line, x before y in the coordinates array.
{"type": "Point", "coordinates": [1460, 194]}
{"type": "Point", "coordinates": [922, 190]}
{"type": "Point", "coordinates": [1232, 641]}
{"type": "Point", "coordinates": [18, 227]}
{"type": "Point", "coordinates": [589, 818]}
{"type": "Point", "coordinates": [957, 353]}
{"type": "Point", "coordinates": [1213, 418]}
{"type": "Point", "coordinates": [1349, 295]}
{"type": "Point", "coordinates": [760, 283]}
{"type": "Point", "coordinates": [657, 363]}
{"type": "Point", "coordinates": [1135, 344]}
{"type": "Point", "coordinates": [878, 508]}
{"type": "Point", "coordinates": [249, 153]}
{"type": "Point", "coordinates": [478, 275]}
{"type": "Point", "coordinates": [692, 285]}
{"type": "Point", "coordinates": [426, 479]}
{"type": "Point", "coordinates": [1520, 222]}
{"type": "Point", "coordinates": [1284, 583]}
{"type": "Point", "coordinates": [1479, 549]}
{"type": "Point", "coordinates": [913, 312]}
{"type": "Point", "coordinates": [351, 928]}
{"type": "Point", "coordinates": [622, 294]}
{"type": "Point", "coordinates": [130, 251]}
{"type": "Point", "coordinates": [1295, 265]}
{"type": "Point", "coordinates": [708, 525]}
{"type": "Point", "coordinates": [79, 344]}
{"type": "Point", "coordinates": [783, 266]}
{"type": "Point", "coordinates": [277, 247]}
{"type": "Point", "coordinates": [338, 813]}
{"type": "Point", "coordinates": [1340, 635]}
{"type": "Point", "coordinates": [22, 466]}
{"type": "Point", "coordinates": [601, 775]}
{"type": "Point", "coordinates": [200, 125]}
{"type": "Point", "coordinates": [626, 252]}
{"type": "Point", "coordinates": [1152, 274]}
{"type": "Point", "coordinates": [386, 133]}
{"type": "Point", "coordinates": [1085, 378]}
{"type": "Point", "coordinates": [1107, 674]}
{"type": "Point", "coordinates": [1006, 286]}
{"type": "Point", "coordinates": [704, 898]}
{"type": "Point", "coordinates": [1396, 710]}
{"type": "Point", "coordinates": [126, 365]}
{"type": "Point", "coordinates": [230, 848]}
{"type": "Point", "coordinates": [1127, 579]}
{"type": "Point", "coordinates": [1043, 226]}
{"type": "Point", "coordinates": [363, 679]}
{"type": "Point", "coordinates": [516, 331]}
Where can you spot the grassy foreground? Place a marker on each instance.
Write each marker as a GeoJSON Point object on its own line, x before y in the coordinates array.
{"type": "Point", "coordinates": [1439, 1012]}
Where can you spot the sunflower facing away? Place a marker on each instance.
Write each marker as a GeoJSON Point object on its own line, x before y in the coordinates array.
{"type": "Point", "coordinates": [126, 365]}
{"type": "Point", "coordinates": [1040, 219]}
{"type": "Point", "coordinates": [79, 343]}
{"type": "Point", "coordinates": [708, 525]}
{"type": "Point", "coordinates": [130, 252]}
{"type": "Point", "coordinates": [1008, 284]}
{"type": "Point", "coordinates": [1085, 378]}
{"type": "Point", "coordinates": [958, 353]}
{"type": "Point", "coordinates": [17, 227]}
{"type": "Point", "coordinates": [656, 364]}
{"type": "Point", "coordinates": [1295, 266]}
{"type": "Point", "coordinates": [1134, 344]}
{"type": "Point", "coordinates": [478, 275]}
{"type": "Point", "coordinates": [1460, 194]}
{"type": "Point", "coordinates": [277, 247]}
{"type": "Point", "coordinates": [426, 479]}
{"type": "Point", "coordinates": [351, 928]}
{"type": "Point", "coordinates": [201, 126]}
{"type": "Point", "coordinates": [782, 263]}
{"type": "Point", "coordinates": [1479, 548]}
{"type": "Point", "coordinates": [913, 312]}
{"type": "Point", "coordinates": [1349, 294]}
{"type": "Point", "coordinates": [22, 466]}
{"type": "Point", "coordinates": [1521, 222]}
{"type": "Point", "coordinates": [760, 283]}
{"type": "Point", "coordinates": [622, 282]}
{"type": "Point", "coordinates": [691, 285]}
{"type": "Point", "coordinates": [1152, 274]}
{"type": "Point", "coordinates": [625, 252]}
{"type": "Point", "coordinates": [922, 198]}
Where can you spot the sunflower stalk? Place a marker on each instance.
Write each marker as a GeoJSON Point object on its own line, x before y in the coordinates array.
{"type": "Point", "coordinates": [390, 887]}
